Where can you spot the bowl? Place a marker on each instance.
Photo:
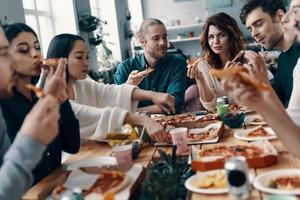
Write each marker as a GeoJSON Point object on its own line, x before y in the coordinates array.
{"type": "Point", "coordinates": [233, 119]}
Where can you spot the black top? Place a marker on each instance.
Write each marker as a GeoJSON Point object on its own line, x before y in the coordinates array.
{"type": "Point", "coordinates": [68, 139]}
{"type": "Point", "coordinates": [283, 79]}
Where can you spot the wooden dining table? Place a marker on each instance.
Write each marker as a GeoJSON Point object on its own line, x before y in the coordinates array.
{"type": "Point", "coordinates": [92, 148]}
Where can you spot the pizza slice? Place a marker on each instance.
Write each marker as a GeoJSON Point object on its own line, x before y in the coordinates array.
{"type": "Point", "coordinates": [285, 182]}
{"type": "Point", "coordinates": [194, 136]}
{"type": "Point", "coordinates": [239, 74]}
{"type": "Point", "coordinates": [258, 132]}
{"type": "Point", "coordinates": [50, 62]}
{"type": "Point", "coordinates": [111, 181]}
{"type": "Point", "coordinates": [147, 71]}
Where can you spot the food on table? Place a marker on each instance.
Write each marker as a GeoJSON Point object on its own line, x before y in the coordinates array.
{"type": "Point", "coordinates": [212, 180]}
{"type": "Point", "coordinates": [108, 183]}
{"type": "Point", "coordinates": [38, 92]}
{"type": "Point", "coordinates": [209, 134]}
{"type": "Point", "coordinates": [209, 117]}
{"type": "Point", "coordinates": [258, 132]}
{"type": "Point", "coordinates": [240, 74]}
{"type": "Point", "coordinates": [225, 152]}
{"type": "Point", "coordinates": [178, 120]}
{"type": "Point", "coordinates": [285, 182]}
{"type": "Point", "coordinates": [147, 71]}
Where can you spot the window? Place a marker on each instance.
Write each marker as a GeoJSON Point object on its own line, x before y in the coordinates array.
{"type": "Point", "coordinates": [40, 15]}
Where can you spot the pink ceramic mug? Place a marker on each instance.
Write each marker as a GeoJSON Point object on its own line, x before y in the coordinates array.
{"type": "Point", "coordinates": [179, 138]}
{"type": "Point", "coordinates": [123, 154]}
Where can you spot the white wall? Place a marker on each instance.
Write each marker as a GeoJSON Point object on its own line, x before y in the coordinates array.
{"type": "Point", "coordinates": [169, 11]}
{"type": "Point", "coordinates": [12, 10]}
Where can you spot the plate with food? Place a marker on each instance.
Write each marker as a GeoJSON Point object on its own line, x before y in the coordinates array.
{"type": "Point", "coordinates": [255, 120]}
{"type": "Point", "coordinates": [99, 176]}
{"type": "Point", "coordinates": [256, 133]}
{"type": "Point", "coordinates": [209, 182]}
{"type": "Point", "coordinates": [209, 134]}
{"type": "Point", "coordinates": [283, 181]}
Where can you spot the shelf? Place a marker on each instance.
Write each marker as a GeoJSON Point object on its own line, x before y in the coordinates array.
{"type": "Point", "coordinates": [184, 39]}
{"type": "Point", "coordinates": [184, 26]}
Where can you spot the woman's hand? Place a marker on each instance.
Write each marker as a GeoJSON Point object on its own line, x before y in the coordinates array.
{"type": "Point", "coordinates": [156, 131]}
{"type": "Point", "coordinates": [56, 81]}
{"type": "Point", "coordinates": [165, 101]}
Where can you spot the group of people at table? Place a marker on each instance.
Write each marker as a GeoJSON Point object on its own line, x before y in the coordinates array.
{"type": "Point", "coordinates": [34, 131]}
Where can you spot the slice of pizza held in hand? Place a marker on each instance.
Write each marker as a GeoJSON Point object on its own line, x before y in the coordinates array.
{"type": "Point", "coordinates": [147, 71]}
{"type": "Point", "coordinates": [241, 75]}
{"type": "Point", "coordinates": [50, 62]}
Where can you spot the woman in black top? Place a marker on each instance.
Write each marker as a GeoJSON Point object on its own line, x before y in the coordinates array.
{"type": "Point", "coordinates": [25, 49]}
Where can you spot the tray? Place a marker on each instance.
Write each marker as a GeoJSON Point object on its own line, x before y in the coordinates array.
{"type": "Point", "coordinates": [217, 162]}
{"type": "Point", "coordinates": [220, 132]}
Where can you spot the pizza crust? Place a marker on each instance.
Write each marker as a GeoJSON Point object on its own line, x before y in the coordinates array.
{"type": "Point", "coordinates": [50, 62]}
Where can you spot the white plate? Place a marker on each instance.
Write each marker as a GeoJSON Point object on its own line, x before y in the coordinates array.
{"type": "Point", "coordinates": [93, 162]}
{"type": "Point", "coordinates": [192, 188]}
{"type": "Point", "coordinates": [249, 121]}
{"type": "Point", "coordinates": [261, 181]}
{"type": "Point", "coordinates": [241, 135]}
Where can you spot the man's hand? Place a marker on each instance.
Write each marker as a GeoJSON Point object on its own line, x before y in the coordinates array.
{"type": "Point", "coordinates": [165, 101]}
{"type": "Point", "coordinates": [56, 82]}
{"type": "Point", "coordinates": [135, 78]}
{"type": "Point", "coordinates": [256, 66]}
{"type": "Point", "coordinates": [41, 123]}
{"type": "Point", "coordinates": [156, 131]}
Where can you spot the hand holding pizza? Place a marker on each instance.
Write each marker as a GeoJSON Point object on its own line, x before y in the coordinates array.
{"type": "Point", "coordinates": [193, 71]}
{"type": "Point", "coordinates": [42, 121]}
{"type": "Point", "coordinates": [56, 81]}
{"type": "Point", "coordinates": [136, 77]}
{"type": "Point", "coordinates": [257, 66]}
{"type": "Point", "coordinates": [165, 101]}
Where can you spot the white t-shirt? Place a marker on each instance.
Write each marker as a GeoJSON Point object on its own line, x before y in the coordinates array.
{"type": "Point", "coordinates": [294, 104]}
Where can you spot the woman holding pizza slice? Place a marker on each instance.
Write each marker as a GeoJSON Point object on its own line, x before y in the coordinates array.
{"type": "Point", "coordinates": [221, 41]}
{"type": "Point", "coordinates": [103, 108]}
{"type": "Point", "coordinates": [25, 50]}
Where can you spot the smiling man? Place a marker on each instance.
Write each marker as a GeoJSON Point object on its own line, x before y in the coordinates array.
{"type": "Point", "coordinates": [169, 75]}
{"type": "Point", "coordinates": [265, 20]}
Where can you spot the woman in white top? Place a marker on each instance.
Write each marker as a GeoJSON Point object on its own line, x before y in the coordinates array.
{"type": "Point", "coordinates": [102, 108]}
{"type": "Point", "coordinates": [221, 40]}
{"type": "Point", "coordinates": [267, 104]}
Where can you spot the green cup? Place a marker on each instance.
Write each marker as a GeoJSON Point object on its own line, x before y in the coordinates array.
{"type": "Point", "coordinates": [222, 109]}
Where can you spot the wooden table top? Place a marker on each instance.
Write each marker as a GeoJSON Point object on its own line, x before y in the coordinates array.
{"type": "Point", "coordinates": [91, 148]}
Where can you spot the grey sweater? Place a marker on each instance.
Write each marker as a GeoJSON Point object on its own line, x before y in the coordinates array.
{"type": "Point", "coordinates": [18, 161]}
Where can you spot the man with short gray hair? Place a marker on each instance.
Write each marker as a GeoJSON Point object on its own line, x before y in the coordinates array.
{"type": "Point", "coordinates": [169, 73]}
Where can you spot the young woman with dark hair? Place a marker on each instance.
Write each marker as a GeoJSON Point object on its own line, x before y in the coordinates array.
{"type": "Point", "coordinates": [25, 50]}
{"type": "Point", "coordinates": [102, 108]}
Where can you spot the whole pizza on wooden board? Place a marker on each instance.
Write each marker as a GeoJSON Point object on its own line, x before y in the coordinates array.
{"type": "Point", "coordinates": [189, 120]}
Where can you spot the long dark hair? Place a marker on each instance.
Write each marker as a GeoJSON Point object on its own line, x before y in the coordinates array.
{"type": "Point", "coordinates": [13, 30]}
{"type": "Point", "coordinates": [61, 46]}
{"type": "Point", "coordinates": [228, 25]}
